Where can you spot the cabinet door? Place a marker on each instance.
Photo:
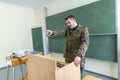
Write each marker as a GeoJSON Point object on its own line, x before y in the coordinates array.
{"type": "Point", "coordinates": [37, 39]}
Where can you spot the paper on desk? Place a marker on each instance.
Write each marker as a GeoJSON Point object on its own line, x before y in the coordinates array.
{"type": "Point", "coordinates": [9, 62]}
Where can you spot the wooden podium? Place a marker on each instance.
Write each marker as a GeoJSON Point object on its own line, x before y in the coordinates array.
{"type": "Point", "coordinates": [45, 68]}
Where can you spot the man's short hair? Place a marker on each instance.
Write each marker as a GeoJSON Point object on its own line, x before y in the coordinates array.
{"type": "Point", "coordinates": [70, 16]}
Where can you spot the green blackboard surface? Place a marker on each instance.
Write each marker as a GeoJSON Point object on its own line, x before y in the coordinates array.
{"type": "Point", "coordinates": [103, 47]}
{"type": "Point", "coordinates": [37, 39]}
{"type": "Point", "coordinates": [99, 17]}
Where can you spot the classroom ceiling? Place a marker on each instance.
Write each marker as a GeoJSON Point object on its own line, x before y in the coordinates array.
{"type": "Point", "coordinates": [27, 3]}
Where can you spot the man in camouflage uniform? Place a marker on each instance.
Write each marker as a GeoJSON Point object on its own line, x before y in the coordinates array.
{"type": "Point", "coordinates": [77, 41]}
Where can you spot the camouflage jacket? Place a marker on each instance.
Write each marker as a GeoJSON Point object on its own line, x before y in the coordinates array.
{"type": "Point", "coordinates": [77, 41]}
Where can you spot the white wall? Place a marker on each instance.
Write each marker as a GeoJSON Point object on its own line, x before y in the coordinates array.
{"type": "Point", "coordinates": [15, 29]}
{"type": "Point", "coordinates": [103, 67]}
{"type": "Point", "coordinates": [39, 17]}
{"type": "Point", "coordinates": [118, 33]}
{"type": "Point", "coordinates": [99, 66]}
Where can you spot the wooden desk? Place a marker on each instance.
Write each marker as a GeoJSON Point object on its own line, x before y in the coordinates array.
{"type": "Point", "coordinates": [44, 68]}
{"type": "Point", "coordinates": [16, 61]}
{"type": "Point", "coordinates": [89, 77]}
{"type": "Point", "coordinates": [13, 61]}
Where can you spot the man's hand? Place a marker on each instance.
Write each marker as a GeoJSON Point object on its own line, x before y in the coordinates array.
{"type": "Point", "coordinates": [77, 61]}
{"type": "Point", "coordinates": [49, 32]}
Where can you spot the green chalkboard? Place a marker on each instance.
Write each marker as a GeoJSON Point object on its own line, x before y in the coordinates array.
{"type": "Point", "coordinates": [57, 44]}
{"type": "Point", "coordinates": [37, 39]}
{"type": "Point", "coordinates": [99, 17]}
{"type": "Point", "coordinates": [103, 47]}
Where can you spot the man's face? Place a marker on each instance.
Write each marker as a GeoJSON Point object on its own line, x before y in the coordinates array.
{"type": "Point", "coordinates": [70, 22]}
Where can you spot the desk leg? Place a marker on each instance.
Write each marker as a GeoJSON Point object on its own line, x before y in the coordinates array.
{"type": "Point", "coordinates": [21, 71]}
{"type": "Point", "coordinates": [8, 69]}
{"type": "Point", "coordinates": [13, 73]}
